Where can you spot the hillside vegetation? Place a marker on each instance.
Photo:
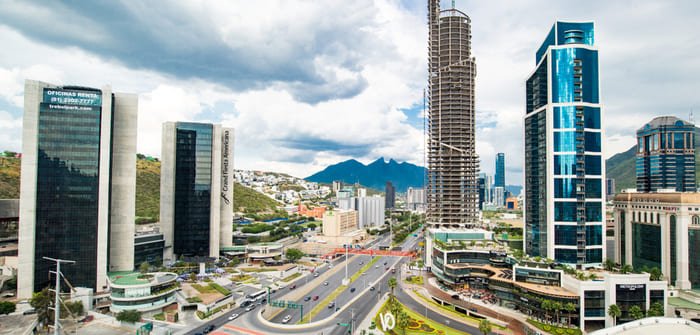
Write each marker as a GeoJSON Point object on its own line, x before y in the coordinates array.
{"type": "Point", "coordinates": [147, 190]}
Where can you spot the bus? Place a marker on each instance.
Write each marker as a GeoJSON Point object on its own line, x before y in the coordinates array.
{"type": "Point", "coordinates": [256, 295]}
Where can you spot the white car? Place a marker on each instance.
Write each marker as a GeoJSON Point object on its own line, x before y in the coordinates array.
{"type": "Point", "coordinates": [233, 316]}
{"type": "Point", "coordinates": [286, 319]}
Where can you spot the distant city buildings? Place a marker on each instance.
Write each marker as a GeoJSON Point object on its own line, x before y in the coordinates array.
{"type": "Point", "coordinates": [78, 181]}
{"type": "Point", "coordinates": [453, 164]}
{"type": "Point", "coordinates": [500, 177]}
{"type": "Point", "coordinates": [564, 169]}
{"type": "Point", "coordinates": [609, 188]}
{"type": "Point", "coordinates": [370, 210]}
{"type": "Point", "coordinates": [415, 198]}
{"type": "Point", "coordinates": [196, 207]}
{"type": "Point", "coordinates": [666, 155]}
{"type": "Point", "coordinates": [390, 195]}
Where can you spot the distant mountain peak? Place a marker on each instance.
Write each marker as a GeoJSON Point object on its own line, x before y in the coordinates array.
{"type": "Point", "coordinates": [374, 175]}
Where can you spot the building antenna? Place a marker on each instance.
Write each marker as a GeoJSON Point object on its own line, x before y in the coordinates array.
{"type": "Point", "coordinates": [453, 4]}
{"type": "Point", "coordinates": [691, 117]}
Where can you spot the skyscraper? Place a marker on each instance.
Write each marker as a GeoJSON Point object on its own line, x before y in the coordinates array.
{"type": "Point", "coordinates": [564, 171]}
{"type": "Point", "coordinates": [666, 155]}
{"type": "Point", "coordinates": [500, 178]}
{"type": "Point", "coordinates": [452, 160]}
{"type": "Point", "coordinates": [196, 189]}
{"type": "Point", "coordinates": [390, 192]}
{"type": "Point", "coordinates": [78, 183]}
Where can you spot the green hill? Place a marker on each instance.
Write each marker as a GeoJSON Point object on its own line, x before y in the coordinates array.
{"type": "Point", "coordinates": [147, 189]}
{"type": "Point", "coordinates": [622, 166]}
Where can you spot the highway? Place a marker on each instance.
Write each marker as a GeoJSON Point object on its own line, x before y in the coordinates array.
{"type": "Point", "coordinates": [313, 286]}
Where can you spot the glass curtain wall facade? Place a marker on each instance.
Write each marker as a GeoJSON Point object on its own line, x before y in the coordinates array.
{"type": "Point", "coordinates": [500, 178]}
{"type": "Point", "coordinates": [564, 169]}
{"type": "Point", "coordinates": [193, 179]}
{"type": "Point", "coordinates": [452, 160]}
{"type": "Point", "coordinates": [666, 155]}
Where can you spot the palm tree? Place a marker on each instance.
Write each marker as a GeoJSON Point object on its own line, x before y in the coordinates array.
{"type": "Point", "coordinates": [392, 284]}
{"type": "Point", "coordinates": [609, 264]}
{"type": "Point", "coordinates": [546, 305]}
{"type": "Point", "coordinates": [626, 268]}
{"type": "Point", "coordinates": [655, 274]}
{"type": "Point", "coordinates": [403, 321]}
{"type": "Point", "coordinates": [615, 312]}
{"type": "Point", "coordinates": [569, 307]}
{"type": "Point", "coordinates": [636, 312]}
{"type": "Point", "coordinates": [485, 326]}
{"type": "Point", "coordinates": [556, 306]}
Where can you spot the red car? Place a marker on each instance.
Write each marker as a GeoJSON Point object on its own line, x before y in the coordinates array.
{"type": "Point", "coordinates": [292, 287]}
{"type": "Point", "coordinates": [315, 298]}
{"type": "Point", "coordinates": [87, 318]}
{"type": "Point", "coordinates": [387, 268]}
{"type": "Point", "coordinates": [393, 270]}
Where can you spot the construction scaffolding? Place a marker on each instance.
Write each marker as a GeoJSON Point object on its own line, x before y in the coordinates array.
{"type": "Point", "coordinates": [453, 165]}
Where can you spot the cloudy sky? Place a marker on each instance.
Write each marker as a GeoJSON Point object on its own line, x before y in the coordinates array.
{"type": "Point", "coordinates": [307, 84]}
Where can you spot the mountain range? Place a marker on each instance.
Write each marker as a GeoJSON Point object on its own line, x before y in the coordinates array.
{"type": "Point", "coordinates": [374, 175]}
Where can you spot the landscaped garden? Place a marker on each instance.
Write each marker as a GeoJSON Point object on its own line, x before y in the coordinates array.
{"type": "Point", "coordinates": [554, 329]}
{"type": "Point", "coordinates": [415, 325]}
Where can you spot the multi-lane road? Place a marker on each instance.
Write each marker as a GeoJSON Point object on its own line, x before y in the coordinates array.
{"type": "Point", "coordinates": [376, 276]}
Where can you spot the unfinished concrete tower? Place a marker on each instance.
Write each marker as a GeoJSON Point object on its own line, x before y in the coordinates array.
{"type": "Point", "coordinates": [452, 161]}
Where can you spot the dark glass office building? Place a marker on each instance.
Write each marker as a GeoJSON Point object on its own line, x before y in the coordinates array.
{"type": "Point", "coordinates": [666, 155]}
{"type": "Point", "coordinates": [196, 172]}
{"type": "Point", "coordinates": [564, 169]}
{"type": "Point", "coordinates": [390, 195]}
{"type": "Point", "coordinates": [71, 206]}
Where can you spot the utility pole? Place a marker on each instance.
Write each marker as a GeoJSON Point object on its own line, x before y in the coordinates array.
{"type": "Point", "coordinates": [57, 308]}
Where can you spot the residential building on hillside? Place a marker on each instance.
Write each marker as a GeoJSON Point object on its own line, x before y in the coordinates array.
{"type": "Point", "coordinates": [564, 169]}
{"type": "Point", "coordinates": [196, 188]}
{"type": "Point", "coordinates": [78, 183]}
{"type": "Point", "coordinates": [666, 155]}
{"type": "Point", "coordinates": [453, 165]}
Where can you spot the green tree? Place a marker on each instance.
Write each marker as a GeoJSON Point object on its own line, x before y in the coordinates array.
{"type": "Point", "coordinates": [656, 309]}
{"type": "Point", "coordinates": [193, 276]}
{"type": "Point", "coordinates": [40, 301]}
{"type": "Point", "coordinates": [129, 316]}
{"type": "Point", "coordinates": [392, 284]}
{"type": "Point", "coordinates": [569, 307]}
{"type": "Point", "coordinates": [636, 312]}
{"type": "Point", "coordinates": [403, 321]}
{"type": "Point", "coordinates": [7, 307]}
{"type": "Point", "coordinates": [655, 274]}
{"type": "Point", "coordinates": [311, 226]}
{"type": "Point", "coordinates": [609, 264]}
{"type": "Point", "coordinates": [293, 254]}
{"type": "Point", "coordinates": [11, 284]}
{"type": "Point", "coordinates": [519, 254]}
{"type": "Point", "coordinates": [485, 326]}
{"type": "Point", "coordinates": [546, 305]}
{"type": "Point", "coordinates": [143, 268]}
{"type": "Point", "coordinates": [626, 268]}
{"type": "Point", "coordinates": [556, 307]}
{"type": "Point", "coordinates": [615, 312]}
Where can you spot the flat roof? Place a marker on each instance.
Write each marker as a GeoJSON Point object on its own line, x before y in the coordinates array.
{"type": "Point", "coordinates": [653, 326]}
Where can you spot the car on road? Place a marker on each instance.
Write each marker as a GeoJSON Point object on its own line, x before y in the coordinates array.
{"type": "Point", "coordinates": [315, 298]}
{"type": "Point", "coordinates": [377, 266]}
{"type": "Point", "coordinates": [246, 303]}
{"type": "Point", "coordinates": [352, 289]}
{"type": "Point", "coordinates": [286, 319]}
{"type": "Point", "coordinates": [331, 304]}
{"type": "Point", "coordinates": [384, 263]}
{"type": "Point", "coordinates": [316, 274]}
{"type": "Point", "coordinates": [250, 308]}
{"type": "Point", "coordinates": [307, 298]}
{"type": "Point", "coordinates": [292, 287]}
{"type": "Point", "coordinates": [262, 301]}
{"type": "Point", "coordinates": [455, 296]}
{"type": "Point", "coordinates": [273, 291]}
{"type": "Point", "coordinates": [325, 283]}
{"type": "Point", "coordinates": [29, 312]}
{"type": "Point", "coordinates": [371, 288]}
{"type": "Point", "coordinates": [387, 268]}
{"type": "Point", "coordinates": [208, 329]}
{"type": "Point", "coordinates": [87, 318]}
{"type": "Point", "coordinates": [233, 316]}
{"type": "Point", "coordinates": [393, 270]}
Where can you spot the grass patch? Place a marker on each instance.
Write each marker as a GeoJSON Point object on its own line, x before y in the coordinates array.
{"type": "Point", "coordinates": [159, 317]}
{"type": "Point", "coordinates": [220, 288]}
{"type": "Point", "coordinates": [308, 264]}
{"type": "Point", "coordinates": [290, 277]}
{"type": "Point", "coordinates": [554, 329]}
{"type": "Point", "coordinates": [194, 300]}
{"type": "Point", "coordinates": [256, 269]}
{"type": "Point", "coordinates": [363, 269]}
{"type": "Point", "coordinates": [418, 324]}
{"type": "Point", "coordinates": [240, 278]}
{"type": "Point", "coordinates": [418, 280]}
{"type": "Point", "coordinates": [323, 304]}
{"type": "Point", "coordinates": [204, 289]}
{"type": "Point", "coordinates": [451, 309]}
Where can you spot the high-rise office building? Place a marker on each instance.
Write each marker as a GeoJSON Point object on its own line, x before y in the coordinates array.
{"type": "Point", "coordinates": [452, 160]}
{"type": "Point", "coordinates": [196, 189]}
{"type": "Point", "coordinates": [609, 188]}
{"type": "Point", "coordinates": [666, 155]}
{"type": "Point", "coordinates": [564, 170]}
{"type": "Point", "coordinates": [500, 177]}
{"type": "Point", "coordinates": [415, 198]}
{"type": "Point", "coordinates": [370, 210]}
{"type": "Point", "coordinates": [390, 193]}
{"type": "Point", "coordinates": [78, 183]}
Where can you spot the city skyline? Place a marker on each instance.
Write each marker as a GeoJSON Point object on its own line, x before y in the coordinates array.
{"type": "Point", "coordinates": [311, 92]}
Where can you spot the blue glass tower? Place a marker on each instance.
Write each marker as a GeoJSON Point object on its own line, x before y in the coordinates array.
{"type": "Point", "coordinates": [500, 171]}
{"type": "Point", "coordinates": [564, 170]}
{"type": "Point", "coordinates": [666, 155]}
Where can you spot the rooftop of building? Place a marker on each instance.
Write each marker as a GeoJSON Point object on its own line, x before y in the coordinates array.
{"type": "Point", "coordinates": [652, 326]}
{"type": "Point", "coordinates": [663, 121]}
{"type": "Point", "coordinates": [131, 278]}
{"type": "Point", "coordinates": [660, 197]}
